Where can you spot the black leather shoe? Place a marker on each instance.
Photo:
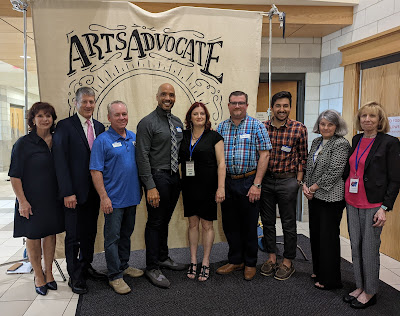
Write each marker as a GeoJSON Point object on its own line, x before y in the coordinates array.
{"type": "Point", "coordinates": [358, 305]}
{"type": "Point", "coordinates": [41, 290]}
{"type": "Point", "coordinates": [92, 274]}
{"type": "Point", "coordinates": [348, 298]}
{"type": "Point", "coordinates": [52, 285]}
{"type": "Point", "coordinates": [77, 287]}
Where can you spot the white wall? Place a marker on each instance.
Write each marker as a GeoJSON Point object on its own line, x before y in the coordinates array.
{"type": "Point", "coordinates": [370, 17]}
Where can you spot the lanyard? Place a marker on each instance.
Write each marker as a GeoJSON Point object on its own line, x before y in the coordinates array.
{"type": "Point", "coordinates": [315, 154]}
{"type": "Point", "coordinates": [358, 147]}
{"type": "Point", "coordinates": [191, 148]}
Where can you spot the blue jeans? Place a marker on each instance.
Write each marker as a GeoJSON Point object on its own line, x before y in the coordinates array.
{"type": "Point", "coordinates": [118, 228]}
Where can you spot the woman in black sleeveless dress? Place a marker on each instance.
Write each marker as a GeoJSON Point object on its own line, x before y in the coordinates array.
{"type": "Point", "coordinates": [203, 182]}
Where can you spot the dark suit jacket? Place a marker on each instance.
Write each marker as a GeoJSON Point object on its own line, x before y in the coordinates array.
{"type": "Point", "coordinates": [72, 156]}
{"type": "Point", "coordinates": [382, 169]}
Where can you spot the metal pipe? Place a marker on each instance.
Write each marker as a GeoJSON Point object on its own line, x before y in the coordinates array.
{"type": "Point", "coordinates": [25, 75]}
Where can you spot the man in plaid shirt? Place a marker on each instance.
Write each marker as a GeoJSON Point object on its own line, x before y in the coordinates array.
{"type": "Point", "coordinates": [246, 146]}
{"type": "Point", "coordinates": [281, 183]}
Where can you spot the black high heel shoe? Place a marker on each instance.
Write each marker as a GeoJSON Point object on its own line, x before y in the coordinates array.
{"type": "Point", "coordinates": [52, 285]}
{"type": "Point", "coordinates": [358, 305]}
{"type": "Point", "coordinates": [41, 290]}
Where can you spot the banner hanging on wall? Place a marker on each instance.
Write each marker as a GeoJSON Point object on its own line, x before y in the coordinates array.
{"type": "Point", "coordinates": [125, 53]}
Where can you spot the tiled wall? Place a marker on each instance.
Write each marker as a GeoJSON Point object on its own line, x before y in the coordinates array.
{"type": "Point", "coordinates": [297, 55]}
{"type": "Point", "coordinates": [370, 17]}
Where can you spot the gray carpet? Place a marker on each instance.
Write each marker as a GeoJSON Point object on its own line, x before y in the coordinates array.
{"type": "Point", "coordinates": [231, 294]}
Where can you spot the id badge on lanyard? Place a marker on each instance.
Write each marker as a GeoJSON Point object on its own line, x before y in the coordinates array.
{"type": "Point", "coordinates": [355, 180]}
{"type": "Point", "coordinates": [190, 164]}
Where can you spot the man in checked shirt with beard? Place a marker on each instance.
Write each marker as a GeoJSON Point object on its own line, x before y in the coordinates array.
{"type": "Point", "coordinates": [281, 182]}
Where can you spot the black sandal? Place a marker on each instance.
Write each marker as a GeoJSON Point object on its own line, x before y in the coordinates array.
{"type": "Point", "coordinates": [204, 273]}
{"type": "Point", "coordinates": [192, 271]}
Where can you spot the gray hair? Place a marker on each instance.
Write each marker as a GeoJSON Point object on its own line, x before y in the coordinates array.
{"type": "Point", "coordinates": [333, 117]}
{"type": "Point", "coordinates": [84, 91]}
{"type": "Point", "coordinates": [115, 102]}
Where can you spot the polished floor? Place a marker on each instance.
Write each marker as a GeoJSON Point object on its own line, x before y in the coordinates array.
{"type": "Point", "coordinates": [17, 294]}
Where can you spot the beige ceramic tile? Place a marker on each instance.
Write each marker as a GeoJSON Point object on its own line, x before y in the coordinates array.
{"type": "Point", "coordinates": [47, 307]}
{"type": "Point", "coordinates": [345, 250]}
{"type": "Point", "coordinates": [15, 308]}
{"type": "Point", "coordinates": [4, 286]}
{"type": "Point", "coordinates": [388, 276]}
{"type": "Point", "coordinates": [20, 291]}
{"type": "Point", "coordinates": [71, 308]}
{"type": "Point", "coordinates": [389, 263]}
{"type": "Point", "coordinates": [397, 271]}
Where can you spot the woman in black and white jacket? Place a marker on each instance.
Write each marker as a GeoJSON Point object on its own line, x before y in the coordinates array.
{"type": "Point", "coordinates": [324, 189]}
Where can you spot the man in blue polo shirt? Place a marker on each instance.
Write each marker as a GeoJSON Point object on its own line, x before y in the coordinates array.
{"type": "Point", "coordinates": [115, 177]}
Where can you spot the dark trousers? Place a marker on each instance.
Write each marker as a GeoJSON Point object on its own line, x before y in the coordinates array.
{"type": "Point", "coordinates": [239, 221]}
{"type": "Point", "coordinates": [284, 193]}
{"type": "Point", "coordinates": [118, 228]}
{"type": "Point", "coordinates": [81, 230]}
{"type": "Point", "coordinates": [156, 233]}
{"type": "Point", "coordinates": [324, 224]}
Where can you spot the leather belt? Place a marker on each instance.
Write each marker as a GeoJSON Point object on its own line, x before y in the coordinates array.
{"type": "Point", "coordinates": [241, 176]}
{"type": "Point", "coordinates": [169, 171]}
{"type": "Point", "coordinates": [284, 175]}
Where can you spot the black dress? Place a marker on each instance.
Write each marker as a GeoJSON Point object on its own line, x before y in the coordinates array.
{"type": "Point", "coordinates": [199, 191]}
{"type": "Point", "coordinates": [32, 162]}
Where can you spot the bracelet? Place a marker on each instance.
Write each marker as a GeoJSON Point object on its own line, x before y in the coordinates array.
{"type": "Point", "coordinates": [312, 192]}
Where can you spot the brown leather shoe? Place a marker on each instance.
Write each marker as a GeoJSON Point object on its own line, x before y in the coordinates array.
{"type": "Point", "coordinates": [229, 268]}
{"type": "Point", "coordinates": [249, 273]}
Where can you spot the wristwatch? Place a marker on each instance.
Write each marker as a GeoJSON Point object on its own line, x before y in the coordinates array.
{"type": "Point", "coordinates": [257, 185]}
{"type": "Point", "coordinates": [383, 207]}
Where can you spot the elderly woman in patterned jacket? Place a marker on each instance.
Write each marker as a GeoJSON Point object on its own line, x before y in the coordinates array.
{"type": "Point", "coordinates": [324, 189]}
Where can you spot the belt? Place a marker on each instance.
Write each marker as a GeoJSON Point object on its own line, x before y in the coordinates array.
{"type": "Point", "coordinates": [283, 175]}
{"type": "Point", "coordinates": [169, 171]}
{"type": "Point", "coordinates": [241, 176]}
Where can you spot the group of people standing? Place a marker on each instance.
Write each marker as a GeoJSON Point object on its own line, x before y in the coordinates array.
{"type": "Point", "coordinates": [247, 166]}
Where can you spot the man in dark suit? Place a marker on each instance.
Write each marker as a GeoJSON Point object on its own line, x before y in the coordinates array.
{"type": "Point", "coordinates": [72, 143]}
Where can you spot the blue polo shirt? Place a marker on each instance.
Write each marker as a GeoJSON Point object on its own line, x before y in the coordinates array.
{"type": "Point", "coordinates": [114, 156]}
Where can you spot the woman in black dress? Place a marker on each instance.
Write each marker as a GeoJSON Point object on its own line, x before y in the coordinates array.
{"type": "Point", "coordinates": [38, 212]}
{"type": "Point", "coordinates": [203, 182]}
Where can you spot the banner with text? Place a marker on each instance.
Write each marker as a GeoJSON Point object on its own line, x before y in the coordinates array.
{"type": "Point", "coordinates": [125, 53]}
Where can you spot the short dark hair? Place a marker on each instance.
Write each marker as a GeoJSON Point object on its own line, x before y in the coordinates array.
{"type": "Point", "coordinates": [281, 95]}
{"type": "Point", "coordinates": [237, 94]}
{"type": "Point", "coordinates": [188, 118]}
{"type": "Point", "coordinates": [35, 109]}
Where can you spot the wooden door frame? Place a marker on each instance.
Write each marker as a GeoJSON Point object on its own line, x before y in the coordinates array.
{"type": "Point", "coordinates": [370, 52]}
{"type": "Point", "coordinates": [301, 87]}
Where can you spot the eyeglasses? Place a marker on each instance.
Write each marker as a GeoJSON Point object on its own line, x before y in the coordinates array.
{"type": "Point", "coordinates": [241, 103]}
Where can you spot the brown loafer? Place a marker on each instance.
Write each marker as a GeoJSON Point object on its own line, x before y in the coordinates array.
{"type": "Point", "coordinates": [249, 273]}
{"type": "Point", "coordinates": [283, 272]}
{"type": "Point", "coordinates": [229, 268]}
{"type": "Point", "coordinates": [268, 268]}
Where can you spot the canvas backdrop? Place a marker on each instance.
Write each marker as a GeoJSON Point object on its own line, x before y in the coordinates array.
{"type": "Point", "coordinates": [126, 53]}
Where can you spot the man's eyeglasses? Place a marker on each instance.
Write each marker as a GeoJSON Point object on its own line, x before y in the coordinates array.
{"type": "Point", "coordinates": [241, 103]}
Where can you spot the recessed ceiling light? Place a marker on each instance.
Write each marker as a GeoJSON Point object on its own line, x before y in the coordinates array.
{"type": "Point", "coordinates": [26, 56]}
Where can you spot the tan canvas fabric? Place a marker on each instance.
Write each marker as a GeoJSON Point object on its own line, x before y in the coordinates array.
{"type": "Point", "coordinates": [125, 53]}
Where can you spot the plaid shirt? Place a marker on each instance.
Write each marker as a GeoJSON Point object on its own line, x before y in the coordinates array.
{"type": "Point", "coordinates": [294, 135]}
{"type": "Point", "coordinates": [242, 144]}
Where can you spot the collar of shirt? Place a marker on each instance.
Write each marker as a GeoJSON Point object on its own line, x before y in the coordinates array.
{"type": "Point", "coordinates": [83, 120]}
{"type": "Point", "coordinates": [115, 136]}
{"type": "Point", "coordinates": [271, 122]}
{"type": "Point", "coordinates": [161, 112]}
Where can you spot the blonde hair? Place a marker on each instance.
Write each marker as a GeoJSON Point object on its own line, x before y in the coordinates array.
{"type": "Point", "coordinates": [375, 108]}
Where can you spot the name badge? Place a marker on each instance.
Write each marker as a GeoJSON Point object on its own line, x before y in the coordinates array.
{"type": "Point", "coordinates": [286, 149]}
{"type": "Point", "coordinates": [178, 129]}
{"type": "Point", "coordinates": [134, 143]}
{"type": "Point", "coordinates": [245, 136]}
{"type": "Point", "coordinates": [116, 144]}
{"type": "Point", "coordinates": [190, 168]}
{"type": "Point", "coordinates": [353, 188]}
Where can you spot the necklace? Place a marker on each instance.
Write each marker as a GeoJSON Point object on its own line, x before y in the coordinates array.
{"type": "Point", "coordinates": [372, 136]}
